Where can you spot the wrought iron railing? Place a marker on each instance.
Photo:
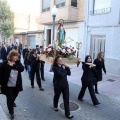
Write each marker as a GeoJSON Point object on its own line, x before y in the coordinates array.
{"type": "Point", "coordinates": [60, 5]}
{"type": "Point", "coordinates": [46, 9]}
{"type": "Point", "coordinates": [101, 11]}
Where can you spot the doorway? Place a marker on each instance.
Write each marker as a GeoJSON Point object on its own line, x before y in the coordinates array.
{"type": "Point", "coordinates": [32, 41]}
{"type": "Point", "coordinates": [97, 44]}
{"type": "Point", "coordinates": [48, 36]}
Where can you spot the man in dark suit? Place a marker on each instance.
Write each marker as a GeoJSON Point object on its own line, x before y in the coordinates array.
{"type": "Point", "coordinates": [5, 51]}
{"type": "Point", "coordinates": [24, 51]}
{"type": "Point", "coordinates": [42, 63]}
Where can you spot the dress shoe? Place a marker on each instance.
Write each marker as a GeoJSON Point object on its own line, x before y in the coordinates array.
{"type": "Point", "coordinates": [11, 116]}
{"type": "Point", "coordinates": [69, 116]}
{"type": "Point", "coordinates": [15, 105]}
{"type": "Point", "coordinates": [80, 99]}
{"type": "Point", "coordinates": [41, 89]}
{"type": "Point", "coordinates": [97, 104]}
{"type": "Point", "coordinates": [43, 79]}
{"type": "Point", "coordinates": [96, 92]}
{"type": "Point", "coordinates": [55, 109]}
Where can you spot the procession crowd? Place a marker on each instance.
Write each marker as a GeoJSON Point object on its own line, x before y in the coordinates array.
{"type": "Point", "coordinates": [11, 79]}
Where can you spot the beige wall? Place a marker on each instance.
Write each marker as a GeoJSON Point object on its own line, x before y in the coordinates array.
{"type": "Point", "coordinates": [21, 22]}
{"type": "Point", "coordinates": [68, 13]}
{"type": "Point", "coordinates": [22, 39]}
{"type": "Point", "coordinates": [24, 23]}
{"type": "Point", "coordinates": [81, 10]}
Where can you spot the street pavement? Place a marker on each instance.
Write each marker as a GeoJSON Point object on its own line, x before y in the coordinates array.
{"type": "Point", "coordinates": [32, 104]}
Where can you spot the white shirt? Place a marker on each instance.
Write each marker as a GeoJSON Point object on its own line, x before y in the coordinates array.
{"type": "Point", "coordinates": [6, 49]}
{"type": "Point", "coordinates": [12, 78]}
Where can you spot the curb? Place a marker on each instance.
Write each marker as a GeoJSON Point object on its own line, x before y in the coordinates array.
{"type": "Point", "coordinates": [2, 114]}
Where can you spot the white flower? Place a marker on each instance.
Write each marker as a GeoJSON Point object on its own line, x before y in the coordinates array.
{"type": "Point", "coordinates": [64, 45]}
{"type": "Point", "coordinates": [69, 51]}
{"type": "Point", "coordinates": [58, 48]}
{"type": "Point", "coordinates": [63, 50]}
{"type": "Point", "coordinates": [49, 49]}
{"type": "Point", "coordinates": [50, 45]}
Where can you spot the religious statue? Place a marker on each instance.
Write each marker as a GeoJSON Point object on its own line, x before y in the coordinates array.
{"type": "Point", "coordinates": [61, 32]}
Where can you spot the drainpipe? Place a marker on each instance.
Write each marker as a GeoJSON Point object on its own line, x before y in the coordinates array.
{"type": "Point", "coordinates": [27, 38]}
{"type": "Point", "coordinates": [86, 27]}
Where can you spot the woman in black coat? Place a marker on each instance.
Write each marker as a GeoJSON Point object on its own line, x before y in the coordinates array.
{"type": "Point", "coordinates": [11, 80]}
{"type": "Point", "coordinates": [61, 84]}
{"type": "Point", "coordinates": [88, 80]}
{"type": "Point", "coordinates": [99, 62]}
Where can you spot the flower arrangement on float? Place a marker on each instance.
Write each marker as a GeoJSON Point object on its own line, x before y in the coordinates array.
{"type": "Point", "coordinates": [64, 51]}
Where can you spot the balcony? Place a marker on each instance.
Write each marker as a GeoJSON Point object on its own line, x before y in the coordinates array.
{"type": "Point", "coordinates": [46, 9]}
{"type": "Point", "coordinates": [101, 11]}
{"type": "Point", "coordinates": [66, 11]}
{"type": "Point", "coordinates": [60, 5]}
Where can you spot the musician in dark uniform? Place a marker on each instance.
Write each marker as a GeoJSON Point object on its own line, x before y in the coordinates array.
{"type": "Point", "coordinates": [61, 84]}
{"type": "Point", "coordinates": [5, 51]}
{"type": "Point", "coordinates": [42, 63]}
{"type": "Point", "coordinates": [89, 72]}
{"type": "Point", "coordinates": [24, 51]}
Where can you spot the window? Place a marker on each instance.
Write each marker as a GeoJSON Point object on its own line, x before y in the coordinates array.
{"type": "Point", "coordinates": [45, 5]}
{"type": "Point", "coordinates": [101, 7]}
{"type": "Point", "coordinates": [74, 3]}
{"type": "Point", "coordinates": [97, 44]}
{"type": "Point", "coordinates": [60, 3]}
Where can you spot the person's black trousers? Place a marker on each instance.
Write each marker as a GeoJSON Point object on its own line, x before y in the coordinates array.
{"type": "Point", "coordinates": [11, 96]}
{"type": "Point", "coordinates": [96, 87]}
{"type": "Point", "coordinates": [38, 79]}
{"type": "Point", "coordinates": [88, 84]}
{"type": "Point", "coordinates": [65, 92]}
{"type": "Point", "coordinates": [42, 69]}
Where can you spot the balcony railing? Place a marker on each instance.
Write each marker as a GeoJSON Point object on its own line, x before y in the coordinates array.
{"type": "Point", "coordinates": [46, 9]}
{"type": "Point", "coordinates": [100, 11]}
{"type": "Point", "coordinates": [60, 5]}
{"type": "Point", "coordinates": [74, 4]}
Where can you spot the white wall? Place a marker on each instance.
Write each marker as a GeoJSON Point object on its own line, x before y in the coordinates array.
{"type": "Point", "coordinates": [39, 38]}
{"type": "Point", "coordinates": [106, 24]}
{"type": "Point", "coordinates": [73, 30]}
{"type": "Point", "coordinates": [110, 19]}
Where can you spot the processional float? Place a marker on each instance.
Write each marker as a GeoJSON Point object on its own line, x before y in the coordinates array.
{"type": "Point", "coordinates": [59, 47]}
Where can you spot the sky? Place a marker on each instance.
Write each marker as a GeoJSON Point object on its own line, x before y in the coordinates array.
{"type": "Point", "coordinates": [25, 6]}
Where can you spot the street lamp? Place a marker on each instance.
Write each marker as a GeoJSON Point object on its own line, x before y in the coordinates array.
{"type": "Point", "coordinates": [54, 13]}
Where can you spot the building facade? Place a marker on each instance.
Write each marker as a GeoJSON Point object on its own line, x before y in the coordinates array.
{"type": "Point", "coordinates": [102, 31]}
{"type": "Point", "coordinates": [71, 11]}
{"type": "Point", "coordinates": [26, 21]}
{"type": "Point", "coordinates": [28, 30]}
